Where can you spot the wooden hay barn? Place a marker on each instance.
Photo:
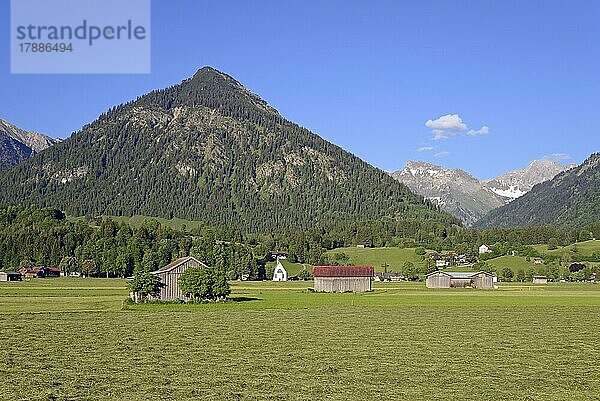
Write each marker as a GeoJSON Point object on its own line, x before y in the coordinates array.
{"type": "Point", "coordinates": [343, 278]}
{"type": "Point", "coordinates": [169, 276]}
{"type": "Point", "coordinates": [441, 279]}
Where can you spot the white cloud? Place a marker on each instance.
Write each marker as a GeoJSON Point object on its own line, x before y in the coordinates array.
{"type": "Point", "coordinates": [441, 134]}
{"type": "Point", "coordinates": [481, 131]}
{"type": "Point", "coordinates": [441, 154]}
{"type": "Point", "coordinates": [450, 125]}
{"type": "Point", "coordinates": [425, 149]}
{"type": "Point", "coordinates": [449, 122]}
{"type": "Point", "coordinates": [558, 156]}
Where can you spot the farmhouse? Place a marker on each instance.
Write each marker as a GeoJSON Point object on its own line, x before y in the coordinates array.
{"type": "Point", "coordinates": [169, 276]}
{"type": "Point", "coordinates": [51, 271]}
{"type": "Point", "coordinates": [442, 263]}
{"type": "Point", "coordinates": [343, 278]}
{"type": "Point", "coordinates": [35, 272]}
{"type": "Point", "coordinates": [540, 280]}
{"type": "Point", "coordinates": [10, 276]}
{"type": "Point", "coordinates": [484, 249]}
{"type": "Point", "coordinates": [440, 279]}
{"type": "Point", "coordinates": [273, 256]}
{"type": "Point", "coordinates": [279, 274]}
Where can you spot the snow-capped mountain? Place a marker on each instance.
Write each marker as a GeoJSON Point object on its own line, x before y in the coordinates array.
{"type": "Point", "coordinates": [17, 145]}
{"type": "Point", "coordinates": [467, 197]}
{"type": "Point", "coordinates": [517, 183]}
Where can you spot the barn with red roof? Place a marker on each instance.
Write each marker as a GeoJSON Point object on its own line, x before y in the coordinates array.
{"type": "Point", "coordinates": [343, 278]}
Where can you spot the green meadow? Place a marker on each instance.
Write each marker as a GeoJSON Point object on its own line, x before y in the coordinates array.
{"type": "Point", "coordinates": [584, 248]}
{"type": "Point", "coordinates": [76, 339]}
{"type": "Point", "coordinates": [512, 262]}
{"type": "Point", "coordinates": [394, 258]}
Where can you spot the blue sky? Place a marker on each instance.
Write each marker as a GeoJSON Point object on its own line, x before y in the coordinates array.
{"type": "Point", "coordinates": [368, 76]}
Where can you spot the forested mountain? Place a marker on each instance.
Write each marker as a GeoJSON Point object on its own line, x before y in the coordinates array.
{"type": "Point", "coordinates": [467, 197]}
{"type": "Point", "coordinates": [208, 149]}
{"type": "Point", "coordinates": [571, 199]}
{"type": "Point", "coordinates": [17, 145]}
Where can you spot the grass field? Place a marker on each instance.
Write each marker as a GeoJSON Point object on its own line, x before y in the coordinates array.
{"type": "Point", "coordinates": [513, 262]}
{"type": "Point", "coordinates": [74, 339]}
{"type": "Point", "coordinates": [376, 257]}
{"type": "Point", "coordinates": [585, 248]}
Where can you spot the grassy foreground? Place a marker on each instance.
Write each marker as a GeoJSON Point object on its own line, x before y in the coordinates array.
{"type": "Point", "coordinates": [72, 339]}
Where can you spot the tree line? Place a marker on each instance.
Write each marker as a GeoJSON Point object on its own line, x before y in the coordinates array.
{"type": "Point", "coordinates": [108, 247]}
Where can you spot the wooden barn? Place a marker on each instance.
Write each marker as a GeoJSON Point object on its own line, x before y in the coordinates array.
{"type": "Point", "coordinates": [540, 280]}
{"type": "Point", "coordinates": [169, 276]}
{"type": "Point", "coordinates": [441, 279]}
{"type": "Point", "coordinates": [343, 278]}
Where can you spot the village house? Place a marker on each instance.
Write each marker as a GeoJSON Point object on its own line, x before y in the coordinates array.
{"type": "Point", "coordinates": [447, 259]}
{"type": "Point", "coordinates": [343, 278]}
{"type": "Point", "coordinates": [10, 276]}
{"type": "Point", "coordinates": [441, 279]}
{"type": "Point", "coordinates": [392, 277]}
{"type": "Point", "coordinates": [169, 278]}
{"type": "Point", "coordinates": [484, 249]}
{"type": "Point", "coordinates": [538, 261]}
{"type": "Point", "coordinates": [442, 263]}
{"type": "Point", "coordinates": [540, 280]}
{"type": "Point", "coordinates": [39, 272]}
{"type": "Point", "coordinates": [280, 274]}
{"type": "Point", "coordinates": [273, 256]}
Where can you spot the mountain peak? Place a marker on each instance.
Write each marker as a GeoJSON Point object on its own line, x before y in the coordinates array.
{"type": "Point", "coordinates": [208, 149]}
{"type": "Point", "coordinates": [214, 89]}
{"type": "Point", "coordinates": [208, 74]}
{"type": "Point", "coordinates": [17, 144]}
{"type": "Point", "coordinates": [467, 197]}
{"type": "Point", "coordinates": [569, 199]}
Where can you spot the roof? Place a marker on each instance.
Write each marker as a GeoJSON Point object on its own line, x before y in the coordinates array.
{"type": "Point", "coordinates": [52, 269]}
{"type": "Point", "coordinates": [176, 263]}
{"type": "Point", "coordinates": [280, 266]}
{"type": "Point", "coordinates": [542, 277]}
{"type": "Point", "coordinates": [459, 275]}
{"type": "Point", "coordinates": [343, 271]}
{"type": "Point", "coordinates": [30, 269]}
{"type": "Point", "coordinates": [9, 272]}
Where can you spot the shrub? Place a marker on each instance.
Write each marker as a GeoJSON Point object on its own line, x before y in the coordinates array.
{"type": "Point", "coordinates": [204, 284]}
{"type": "Point", "coordinates": [144, 285]}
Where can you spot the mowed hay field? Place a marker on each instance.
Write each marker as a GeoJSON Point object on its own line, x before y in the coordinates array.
{"type": "Point", "coordinates": [68, 339]}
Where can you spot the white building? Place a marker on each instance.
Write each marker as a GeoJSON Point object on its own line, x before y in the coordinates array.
{"type": "Point", "coordinates": [442, 263]}
{"type": "Point", "coordinates": [279, 274]}
{"type": "Point", "coordinates": [484, 249]}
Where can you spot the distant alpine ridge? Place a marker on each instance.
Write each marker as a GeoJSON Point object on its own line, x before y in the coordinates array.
{"type": "Point", "coordinates": [570, 200]}
{"type": "Point", "coordinates": [17, 145]}
{"type": "Point", "coordinates": [208, 149]}
{"type": "Point", "coordinates": [467, 197]}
